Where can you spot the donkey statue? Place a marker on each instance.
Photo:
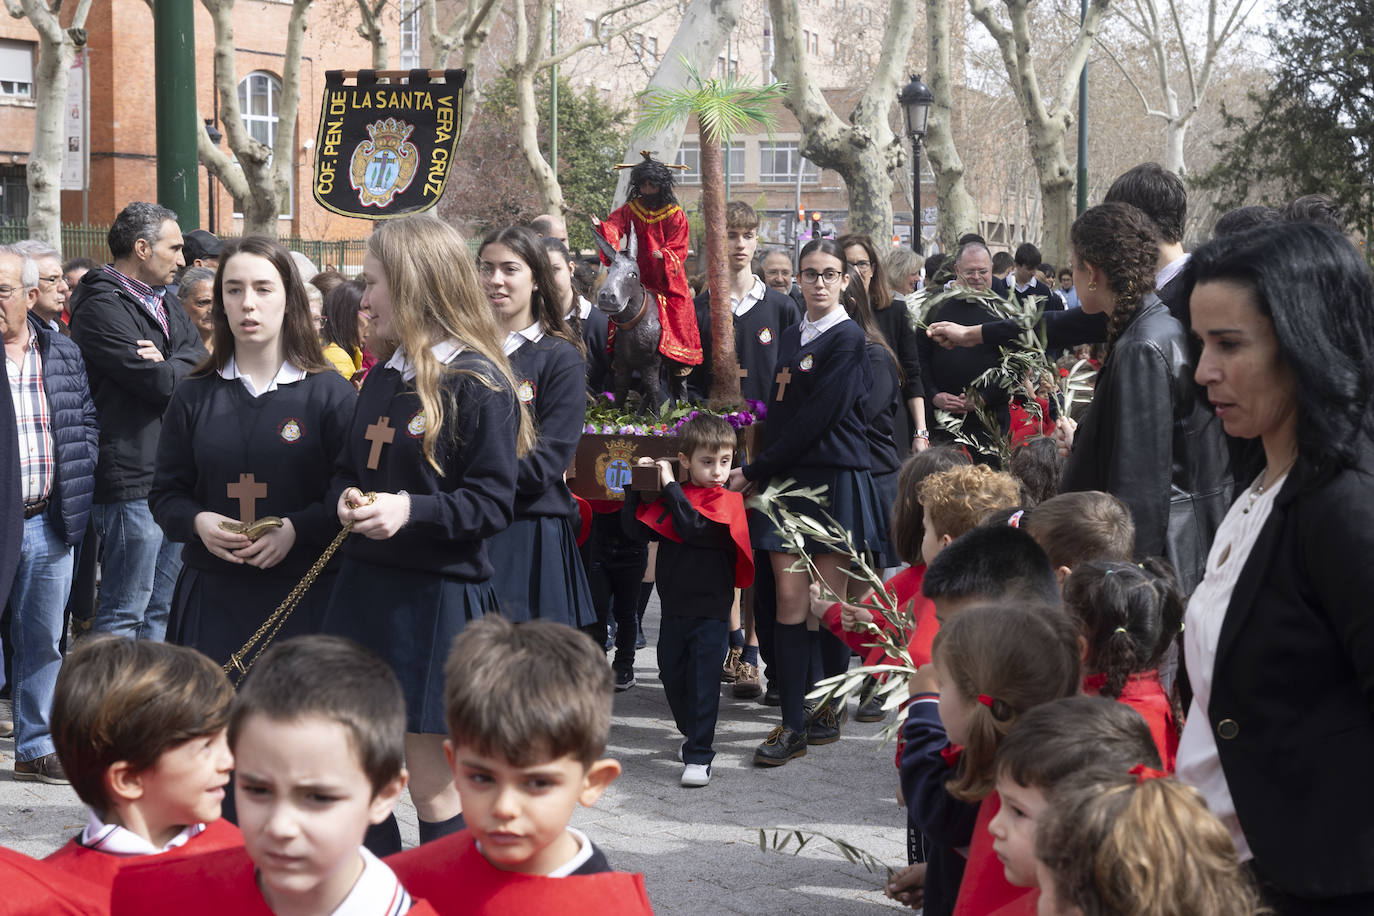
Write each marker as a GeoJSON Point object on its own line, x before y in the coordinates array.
{"type": "Point", "coordinates": [633, 311]}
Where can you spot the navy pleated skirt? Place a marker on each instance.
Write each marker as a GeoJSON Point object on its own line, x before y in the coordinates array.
{"type": "Point", "coordinates": [217, 611]}
{"type": "Point", "coordinates": [850, 499]}
{"type": "Point", "coordinates": [539, 572]}
{"type": "Point", "coordinates": [886, 485]}
{"type": "Point", "coordinates": [409, 618]}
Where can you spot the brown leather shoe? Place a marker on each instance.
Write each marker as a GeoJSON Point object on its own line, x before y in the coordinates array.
{"type": "Point", "coordinates": [729, 670]}
{"type": "Point", "coordinates": [41, 769]}
{"type": "Point", "coordinates": [747, 684]}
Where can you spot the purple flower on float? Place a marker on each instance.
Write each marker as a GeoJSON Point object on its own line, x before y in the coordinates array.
{"type": "Point", "coordinates": [610, 396]}
{"type": "Point", "coordinates": [590, 428]}
{"type": "Point", "coordinates": [627, 430]}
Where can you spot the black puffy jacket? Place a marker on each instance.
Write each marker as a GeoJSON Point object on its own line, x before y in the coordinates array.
{"type": "Point", "coordinates": [1152, 441]}
{"type": "Point", "coordinates": [75, 433]}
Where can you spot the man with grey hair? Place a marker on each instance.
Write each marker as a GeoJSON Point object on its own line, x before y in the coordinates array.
{"type": "Point", "coordinates": [58, 444]}
{"type": "Point", "coordinates": [138, 344]}
{"type": "Point", "coordinates": [52, 283]}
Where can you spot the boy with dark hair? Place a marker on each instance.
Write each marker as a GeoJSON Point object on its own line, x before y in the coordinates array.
{"type": "Point", "coordinates": [529, 713]}
{"type": "Point", "coordinates": [318, 732]}
{"type": "Point", "coordinates": [991, 563]}
{"type": "Point", "coordinates": [139, 727]}
{"type": "Point", "coordinates": [1075, 528]}
{"type": "Point", "coordinates": [704, 554]}
{"type": "Point", "coordinates": [1023, 279]}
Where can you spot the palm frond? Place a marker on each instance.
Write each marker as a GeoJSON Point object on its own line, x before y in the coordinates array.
{"type": "Point", "coordinates": [724, 106]}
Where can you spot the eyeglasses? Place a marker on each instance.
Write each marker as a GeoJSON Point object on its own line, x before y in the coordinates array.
{"type": "Point", "coordinates": [861, 265]}
{"type": "Point", "coordinates": [6, 292]}
{"type": "Point", "coordinates": [50, 280]}
{"type": "Point", "coordinates": [811, 276]}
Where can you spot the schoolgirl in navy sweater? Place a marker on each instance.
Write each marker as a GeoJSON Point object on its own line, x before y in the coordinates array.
{"type": "Point", "coordinates": [436, 436]}
{"type": "Point", "coordinates": [816, 434]}
{"type": "Point", "coordinates": [586, 321]}
{"type": "Point", "coordinates": [252, 433]}
{"type": "Point", "coordinates": [538, 569]}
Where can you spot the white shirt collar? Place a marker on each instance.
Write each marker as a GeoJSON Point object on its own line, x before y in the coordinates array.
{"type": "Point", "coordinates": [1171, 270]}
{"type": "Point", "coordinates": [287, 374]}
{"type": "Point", "coordinates": [584, 852]}
{"type": "Point", "coordinates": [444, 351]}
{"type": "Point", "coordinates": [755, 295]}
{"type": "Point", "coordinates": [377, 892]}
{"type": "Point", "coordinates": [810, 330]}
{"type": "Point", "coordinates": [582, 308]}
{"type": "Point", "coordinates": [120, 841]}
{"type": "Point", "coordinates": [516, 339]}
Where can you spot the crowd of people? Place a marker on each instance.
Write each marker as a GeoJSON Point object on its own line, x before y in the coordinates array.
{"type": "Point", "coordinates": [1139, 678]}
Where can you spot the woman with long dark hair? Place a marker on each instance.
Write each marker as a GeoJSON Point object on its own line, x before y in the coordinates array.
{"type": "Point", "coordinates": [342, 332]}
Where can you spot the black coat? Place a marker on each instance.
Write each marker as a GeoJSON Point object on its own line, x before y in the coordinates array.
{"type": "Point", "coordinates": [1149, 439]}
{"type": "Point", "coordinates": [1292, 704]}
{"type": "Point", "coordinates": [75, 434]}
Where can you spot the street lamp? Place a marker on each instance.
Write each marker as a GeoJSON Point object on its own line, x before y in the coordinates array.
{"type": "Point", "coordinates": [916, 99]}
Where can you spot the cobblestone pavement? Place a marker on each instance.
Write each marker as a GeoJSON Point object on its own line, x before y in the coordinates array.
{"type": "Point", "coordinates": [698, 848]}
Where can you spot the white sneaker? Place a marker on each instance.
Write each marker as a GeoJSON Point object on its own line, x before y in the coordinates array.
{"type": "Point", "coordinates": [696, 775]}
{"type": "Point", "coordinates": [6, 719]}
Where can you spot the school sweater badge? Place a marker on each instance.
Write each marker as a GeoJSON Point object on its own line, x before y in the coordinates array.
{"type": "Point", "coordinates": [290, 430]}
{"type": "Point", "coordinates": [525, 392]}
{"type": "Point", "coordinates": [807, 362]}
{"type": "Point", "coordinates": [765, 335]}
{"type": "Point", "coordinates": [416, 427]}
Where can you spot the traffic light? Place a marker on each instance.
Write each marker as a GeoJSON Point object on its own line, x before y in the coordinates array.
{"type": "Point", "coordinates": [816, 224]}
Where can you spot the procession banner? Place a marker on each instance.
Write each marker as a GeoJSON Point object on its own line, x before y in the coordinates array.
{"type": "Point", "coordinates": [384, 149]}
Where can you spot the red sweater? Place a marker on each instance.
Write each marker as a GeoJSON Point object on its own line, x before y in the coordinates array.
{"type": "Point", "coordinates": [1145, 694]}
{"type": "Point", "coordinates": [458, 880]}
{"type": "Point", "coordinates": [100, 868]}
{"type": "Point", "coordinates": [903, 587]}
{"type": "Point", "coordinates": [35, 888]}
{"type": "Point", "coordinates": [985, 888]}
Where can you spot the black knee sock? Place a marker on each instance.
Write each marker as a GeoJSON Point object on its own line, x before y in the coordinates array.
{"type": "Point", "coordinates": [385, 838]}
{"type": "Point", "coordinates": [834, 654]}
{"type": "Point", "coordinates": [792, 659]}
{"type": "Point", "coordinates": [815, 666]}
{"type": "Point", "coordinates": [737, 638]}
{"type": "Point", "coordinates": [433, 830]}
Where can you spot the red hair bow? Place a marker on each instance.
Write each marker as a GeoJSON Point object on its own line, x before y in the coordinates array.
{"type": "Point", "coordinates": [1141, 773]}
{"type": "Point", "coordinates": [986, 700]}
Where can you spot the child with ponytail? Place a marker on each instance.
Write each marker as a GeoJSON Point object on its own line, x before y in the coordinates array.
{"type": "Point", "coordinates": [1141, 847]}
{"type": "Point", "coordinates": [1127, 615]}
{"type": "Point", "coordinates": [990, 665]}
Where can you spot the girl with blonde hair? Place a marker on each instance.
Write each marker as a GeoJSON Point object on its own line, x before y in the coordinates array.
{"type": "Point", "coordinates": [436, 437]}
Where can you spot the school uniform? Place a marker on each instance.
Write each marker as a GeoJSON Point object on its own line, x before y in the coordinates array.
{"type": "Point", "coordinates": [881, 414]}
{"type": "Point", "coordinates": [1146, 695]}
{"type": "Point", "coordinates": [928, 763]}
{"type": "Point", "coordinates": [409, 595]}
{"type": "Point", "coordinates": [453, 875]}
{"type": "Point", "coordinates": [36, 888]}
{"type": "Point", "coordinates": [895, 324]}
{"type": "Point", "coordinates": [595, 328]}
{"type": "Point", "coordinates": [226, 882]}
{"type": "Point", "coordinates": [101, 851]}
{"type": "Point", "coordinates": [538, 571]}
{"type": "Point", "coordinates": [760, 317]}
{"type": "Point", "coordinates": [217, 429]}
{"type": "Point", "coordinates": [703, 556]}
{"type": "Point", "coordinates": [985, 887]}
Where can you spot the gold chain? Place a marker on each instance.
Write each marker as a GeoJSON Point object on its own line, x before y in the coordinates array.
{"type": "Point", "coordinates": [236, 667]}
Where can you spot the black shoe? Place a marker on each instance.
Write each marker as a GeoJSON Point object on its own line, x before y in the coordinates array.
{"type": "Point", "coordinates": [624, 680]}
{"type": "Point", "coordinates": [871, 710]}
{"type": "Point", "coordinates": [781, 745]}
{"type": "Point", "coordinates": [770, 697]}
{"type": "Point", "coordinates": [823, 724]}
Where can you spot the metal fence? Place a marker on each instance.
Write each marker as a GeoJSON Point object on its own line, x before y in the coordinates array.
{"type": "Point", "coordinates": [345, 255]}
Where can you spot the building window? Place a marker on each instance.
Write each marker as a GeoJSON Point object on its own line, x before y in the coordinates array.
{"type": "Point", "coordinates": [815, 43]}
{"type": "Point", "coordinates": [410, 34]}
{"type": "Point", "coordinates": [735, 162]}
{"type": "Point", "coordinates": [645, 48]}
{"type": "Point", "coordinates": [720, 67]}
{"type": "Point", "coordinates": [14, 194]}
{"type": "Point", "coordinates": [689, 154]}
{"type": "Point", "coordinates": [16, 70]}
{"type": "Point", "coordinates": [260, 103]}
{"type": "Point", "coordinates": [778, 164]}
{"type": "Point", "coordinates": [652, 48]}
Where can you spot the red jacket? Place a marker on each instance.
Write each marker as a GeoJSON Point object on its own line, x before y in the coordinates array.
{"type": "Point", "coordinates": [904, 587]}
{"type": "Point", "coordinates": [1145, 694]}
{"type": "Point", "coordinates": [985, 888]}
{"type": "Point", "coordinates": [457, 880]}
{"type": "Point", "coordinates": [36, 888]}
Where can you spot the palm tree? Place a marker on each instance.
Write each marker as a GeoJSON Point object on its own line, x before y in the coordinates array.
{"type": "Point", "coordinates": [723, 107]}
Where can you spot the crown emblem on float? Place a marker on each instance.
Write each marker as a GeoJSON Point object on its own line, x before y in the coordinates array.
{"type": "Point", "coordinates": [613, 467]}
{"type": "Point", "coordinates": [384, 164]}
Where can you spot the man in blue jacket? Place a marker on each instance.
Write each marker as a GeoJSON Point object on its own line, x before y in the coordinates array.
{"type": "Point", "coordinates": [58, 443]}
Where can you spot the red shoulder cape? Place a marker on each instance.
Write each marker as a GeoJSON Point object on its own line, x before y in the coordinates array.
{"type": "Point", "coordinates": [34, 887]}
{"type": "Point", "coordinates": [100, 868]}
{"type": "Point", "coordinates": [719, 505]}
{"type": "Point", "coordinates": [1145, 694]}
{"type": "Point", "coordinates": [584, 519]}
{"type": "Point", "coordinates": [457, 881]}
{"type": "Point", "coordinates": [985, 887]}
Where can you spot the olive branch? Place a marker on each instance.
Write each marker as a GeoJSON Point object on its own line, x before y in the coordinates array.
{"type": "Point", "coordinates": [782, 837]}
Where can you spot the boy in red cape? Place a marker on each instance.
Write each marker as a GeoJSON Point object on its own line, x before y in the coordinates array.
{"type": "Point", "coordinates": [529, 713]}
{"type": "Point", "coordinates": [35, 888]}
{"type": "Point", "coordinates": [318, 733]}
{"type": "Point", "coordinates": [704, 554]}
{"type": "Point", "coordinates": [139, 727]}
{"type": "Point", "coordinates": [652, 212]}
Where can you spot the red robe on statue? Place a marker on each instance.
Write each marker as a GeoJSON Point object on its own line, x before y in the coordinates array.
{"type": "Point", "coordinates": [662, 230]}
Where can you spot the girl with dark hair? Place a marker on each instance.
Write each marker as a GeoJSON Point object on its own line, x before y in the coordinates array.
{"type": "Point", "coordinates": [1147, 438]}
{"type": "Point", "coordinates": [891, 317]}
{"type": "Point", "coordinates": [538, 570]}
{"type": "Point", "coordinates": [589, 322]}
{"type": "Point", "coordinates": [341, 334]}
{"type": "Point", "coordinates": [816, 435]}
{"type": "Point", "coordinates": [251, 434]}
{"type": "Point", "coordinates": [1279, 642]}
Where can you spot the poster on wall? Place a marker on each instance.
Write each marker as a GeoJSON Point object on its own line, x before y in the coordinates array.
{"type": "Point", "coordinates": [384, 149]}
{"type": "Point", "coordinates": [74, 127]}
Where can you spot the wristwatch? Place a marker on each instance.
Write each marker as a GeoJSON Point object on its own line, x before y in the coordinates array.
{"type": "Point", "coordinates": [921, 434]}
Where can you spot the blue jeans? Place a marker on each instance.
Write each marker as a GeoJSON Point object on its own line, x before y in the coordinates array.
{"type": "Point", "coordinates": [139, 570]}
{"type": "Point", "coordinates": [38, 600]}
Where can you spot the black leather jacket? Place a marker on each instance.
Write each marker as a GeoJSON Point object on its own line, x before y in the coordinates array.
{"type": "Point", "coordinates": [1151, 439]}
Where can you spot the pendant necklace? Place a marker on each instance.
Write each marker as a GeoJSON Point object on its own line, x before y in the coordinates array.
{"type": "Point", "coordinates": [1259, 487]}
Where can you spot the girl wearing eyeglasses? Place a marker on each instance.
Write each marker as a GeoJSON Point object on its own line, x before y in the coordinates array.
{"type": "Point", "coordinates": [816, 434]}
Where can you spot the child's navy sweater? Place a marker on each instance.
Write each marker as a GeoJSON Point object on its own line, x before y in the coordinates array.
{"type": "Point", "coordinates": [547, 375]}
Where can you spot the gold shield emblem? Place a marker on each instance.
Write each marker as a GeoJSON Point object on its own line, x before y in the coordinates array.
{"type": "Point", "coordinates": [383, 165]}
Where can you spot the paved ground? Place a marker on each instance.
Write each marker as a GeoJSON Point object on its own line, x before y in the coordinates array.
{"type": "Point", "coordinates": [698, 848]}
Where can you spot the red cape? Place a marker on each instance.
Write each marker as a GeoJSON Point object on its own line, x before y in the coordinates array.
{"type": "Point", "coordinates": [904, 588]}
{"type": "Point", "coordinates": [35, 888]}
{"type": "Point", "coordinates": [1145, 694]}
{"type": "Point", "coordinates": [584, 519]}
{"type": "Point", "coordinates": [100, 868]}
{"type": "Point", "coordinates": [719, 505]}
{"type": "Point", "coordinates": [985, 888]}
{"type": "Point", "coordinates": [664, 230]}
{"type": "Point", "coordinates": [457, 880]}
{"type": "Point", "coordinates": [221, 882]}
